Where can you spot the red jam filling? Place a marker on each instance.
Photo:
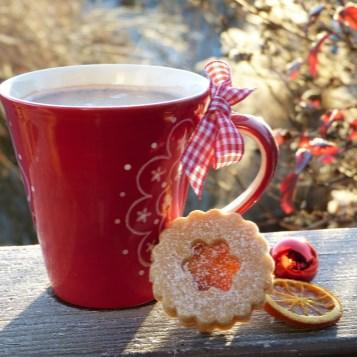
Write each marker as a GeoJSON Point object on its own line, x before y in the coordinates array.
{"type": "Point", "coordinates": [212, 265]}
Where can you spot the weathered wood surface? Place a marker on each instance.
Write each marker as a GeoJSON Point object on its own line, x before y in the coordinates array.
{"type": "Point", "coordinates": [34, 323]}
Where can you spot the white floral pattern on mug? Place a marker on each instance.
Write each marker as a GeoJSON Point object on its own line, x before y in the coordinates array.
{"type": "Point", "coordinates": [147, 215]}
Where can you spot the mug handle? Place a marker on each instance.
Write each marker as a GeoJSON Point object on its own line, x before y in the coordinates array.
{"type": "Point", "coordinates": [257, 129]}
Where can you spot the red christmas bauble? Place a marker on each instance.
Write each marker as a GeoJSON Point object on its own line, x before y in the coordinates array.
{"type": "Point", "coordinates": [295, 258]}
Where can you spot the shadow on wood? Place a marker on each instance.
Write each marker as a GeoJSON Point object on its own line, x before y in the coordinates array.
{"type": "Point", "coordinates": [49, 328]}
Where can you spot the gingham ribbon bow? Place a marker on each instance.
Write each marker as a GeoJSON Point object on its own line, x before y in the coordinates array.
{"type": "Point", "coordinates": [216, 140]}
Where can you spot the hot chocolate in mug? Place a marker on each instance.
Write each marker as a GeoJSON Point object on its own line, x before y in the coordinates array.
{"type": "Point", "coordinates": [103, 177]}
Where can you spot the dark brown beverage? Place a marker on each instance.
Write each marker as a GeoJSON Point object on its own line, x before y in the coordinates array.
{"type": "Point", "coordinates": [101, 96]}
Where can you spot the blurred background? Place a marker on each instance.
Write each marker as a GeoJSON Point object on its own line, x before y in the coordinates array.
{"type": "Point", "coordinates": [300, 55]}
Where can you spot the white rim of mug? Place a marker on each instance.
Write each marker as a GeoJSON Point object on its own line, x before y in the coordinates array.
{"type": "Point", "coordinates": [5, 87]}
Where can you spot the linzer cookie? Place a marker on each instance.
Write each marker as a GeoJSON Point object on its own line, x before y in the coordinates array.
{"type": "Point", "coordinates": [211, 269]}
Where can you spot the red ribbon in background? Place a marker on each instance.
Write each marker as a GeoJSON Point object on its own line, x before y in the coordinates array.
{"type": "Point", "coordinates": [216, 141]}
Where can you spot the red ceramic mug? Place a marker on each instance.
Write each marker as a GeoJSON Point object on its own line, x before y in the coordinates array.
{"type": "Point", "coordinates": [102, 182]}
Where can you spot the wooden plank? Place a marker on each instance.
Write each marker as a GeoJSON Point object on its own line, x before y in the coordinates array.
{"type": "Point", "coordinates": [34, 323]}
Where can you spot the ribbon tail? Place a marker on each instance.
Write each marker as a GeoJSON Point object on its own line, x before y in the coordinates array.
{"type": "Point", "coordinates": [198, 154]}
{"type": "Point", "coordinates": [229, 146]}
{"type": "Point", "coordinates": [197, 176]}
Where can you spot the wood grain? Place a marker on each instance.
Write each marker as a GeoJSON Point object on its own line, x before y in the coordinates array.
{"type": "Point", "coordinates": [34, 323]}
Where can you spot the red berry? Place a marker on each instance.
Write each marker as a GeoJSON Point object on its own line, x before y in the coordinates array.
{"type": "Point", "coordinates": [295, 258]}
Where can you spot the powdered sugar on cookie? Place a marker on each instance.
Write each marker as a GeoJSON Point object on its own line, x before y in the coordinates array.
{"type": "Point", "coordinates": [211, 269]}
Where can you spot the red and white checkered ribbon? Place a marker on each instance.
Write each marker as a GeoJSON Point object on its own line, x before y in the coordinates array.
{"type": "Point", "coordinates": [216, 140]}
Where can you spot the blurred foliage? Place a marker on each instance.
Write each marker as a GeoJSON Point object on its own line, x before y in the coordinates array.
{"type": "Point", "coordinates": [301, 55]}
{"type": "Point", "coordinates": [304, 52]}
{"type": "Point", "coordinates": [42, 33]}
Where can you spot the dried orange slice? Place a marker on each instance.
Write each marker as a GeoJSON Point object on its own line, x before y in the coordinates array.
{"type": "Point", "coordinates": [302, 304]}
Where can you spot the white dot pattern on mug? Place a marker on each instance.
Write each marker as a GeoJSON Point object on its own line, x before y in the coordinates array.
{"type": "Point", "coordinates": [127, 167]}
{"type": "Point", "coordinates": [153, 145]}
{"type": "Point", "coordinates": [141, 272]}
{"type": "Point", "coordinates": [117, 220]}
{"type": "Point", "coordinates": [170, 118]}
{"type": "Point", "coordinates": [125, 252]}
{"type": "Point", "coordinates": [32, 188]}
{"type": "Point", "coordinates": [122, 194]}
